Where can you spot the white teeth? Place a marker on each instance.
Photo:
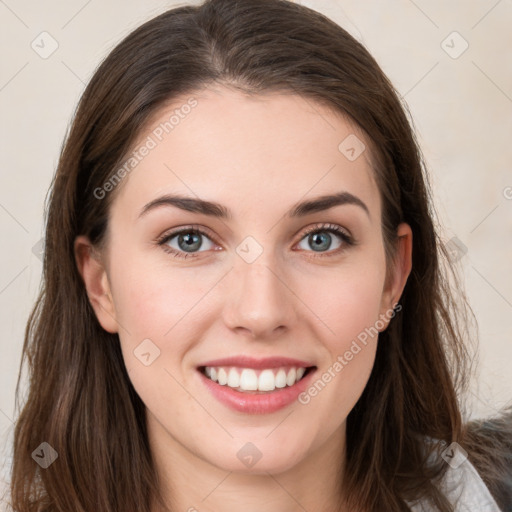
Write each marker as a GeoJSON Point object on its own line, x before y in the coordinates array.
{"type": "Point", "coordinates": [280, 379]}
{"type": "Point", "coordinates": [290, 378]}
{"type": "Point", "coordinates": [247, 379]}
{"type": "Point", "coordinates": [222, 377]}
{"type": "Point", "coordinates": [266, 381]}
{"type": "Point", "coordinates": [233, 378]}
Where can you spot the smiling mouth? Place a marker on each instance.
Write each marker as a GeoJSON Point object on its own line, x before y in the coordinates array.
{"type": "Point", "coordinates": [256, 381]}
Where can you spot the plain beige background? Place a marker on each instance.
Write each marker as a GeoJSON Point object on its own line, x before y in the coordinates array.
{"type": "Point", "coordinates": [449, 60]}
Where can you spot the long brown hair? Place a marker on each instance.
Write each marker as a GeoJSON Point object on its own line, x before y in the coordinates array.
{"type": "Point", "coordinates": [81, 400]}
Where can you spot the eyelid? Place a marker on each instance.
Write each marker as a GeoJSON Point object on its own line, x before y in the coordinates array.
{"type": "Point", "coordinates": [326, 226]}
{"type": "Point", "coordinates": [203, 230]}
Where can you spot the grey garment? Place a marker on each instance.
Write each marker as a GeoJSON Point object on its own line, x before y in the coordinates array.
{"type": "Point", "coordinates": [465, 490]}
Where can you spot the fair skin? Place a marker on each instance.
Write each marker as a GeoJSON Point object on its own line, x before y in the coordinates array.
{"type": "Point", "coordinates": [257, 156]}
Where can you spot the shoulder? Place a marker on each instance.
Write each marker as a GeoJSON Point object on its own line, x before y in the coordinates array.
{"type": "Point", "coordinates": [465, 490]}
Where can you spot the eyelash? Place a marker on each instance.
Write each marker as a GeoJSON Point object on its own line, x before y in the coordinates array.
{"type": "Point", "coordinates": [348, 241]}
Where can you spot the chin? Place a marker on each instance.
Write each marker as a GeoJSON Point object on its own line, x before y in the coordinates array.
{"type": "Point", "coordinates": [259, 458]}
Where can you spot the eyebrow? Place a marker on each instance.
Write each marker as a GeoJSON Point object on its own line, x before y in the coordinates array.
{"type": "Point", "coordinates": [217, 210]}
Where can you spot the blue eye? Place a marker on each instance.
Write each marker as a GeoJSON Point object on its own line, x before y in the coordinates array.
{"type": "Point", "coordinates": [187, 239]}
{"type": "Point", "coordinates": [319, 238]}
{"type": "Point", "coordinates": [190, 239]}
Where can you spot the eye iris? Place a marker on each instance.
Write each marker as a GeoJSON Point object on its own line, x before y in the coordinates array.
{"type": "Point", "coordinates": [189, 242]}
{"type": "Point", "coordinates": [315, 237]}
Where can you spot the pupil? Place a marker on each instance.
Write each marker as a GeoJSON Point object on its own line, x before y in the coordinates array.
{"type": "Point", "coordinates": [189, 240]}
{"type": "Point", "coordinates": [317, 242]}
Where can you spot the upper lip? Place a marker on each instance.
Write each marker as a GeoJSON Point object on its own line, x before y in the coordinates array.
{"type": "Point", "coordinates": [251, 362]}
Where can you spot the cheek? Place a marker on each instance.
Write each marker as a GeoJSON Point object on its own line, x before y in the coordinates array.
{"type": "Point", "coordinates": [150, 298]}
{"type": "Point", "coordinates": [349, 306]}
{"type": "Point", "coordinates": [348, 301]}
{"type": "Point", "coordinates": [164, 305]}
{"type": "Point", "coordinates": [350, 310]}
{"type": "Point", "coordinates": [155, 309]}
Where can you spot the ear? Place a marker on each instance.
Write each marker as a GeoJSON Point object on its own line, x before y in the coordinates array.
{"type": "Point", "coordinates": [395, 283]}
{"type": "Point", "coordinates": [96, 282]}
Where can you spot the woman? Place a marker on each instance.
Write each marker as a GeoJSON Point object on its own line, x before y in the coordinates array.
{"type": "Point", "coordinates": [244, 303]}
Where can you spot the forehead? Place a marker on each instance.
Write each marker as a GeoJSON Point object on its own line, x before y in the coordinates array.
{"type": "Point", "coordinates": [250, 152]}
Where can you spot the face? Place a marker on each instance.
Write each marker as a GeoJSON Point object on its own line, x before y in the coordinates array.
{"type": "Point", "coordinates": [279, 290]}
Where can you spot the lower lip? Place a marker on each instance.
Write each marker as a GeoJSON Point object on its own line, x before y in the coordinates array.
{"type": "Point", "coordinates": [258, 403]}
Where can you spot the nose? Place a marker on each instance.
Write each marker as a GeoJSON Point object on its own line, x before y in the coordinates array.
{"type": "Point", "coordinates": [260, 301]}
